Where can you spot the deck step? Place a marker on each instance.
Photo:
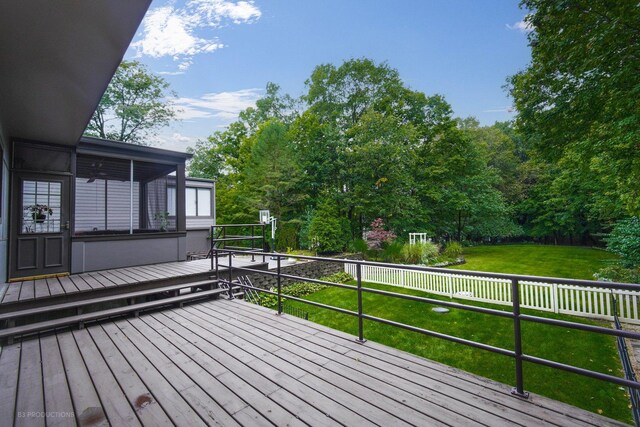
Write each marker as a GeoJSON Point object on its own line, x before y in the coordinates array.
{"type": "Point", "coordinates": [80, 319]}
{"type": "Point", "coordinates": [100, 300]}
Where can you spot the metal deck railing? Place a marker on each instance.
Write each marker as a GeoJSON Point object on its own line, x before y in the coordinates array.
{"type": "Point", "coordinates": [515, 313]}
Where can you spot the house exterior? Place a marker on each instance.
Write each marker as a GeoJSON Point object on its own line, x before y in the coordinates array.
{"type": "Point", "coordinates": [68, 203]}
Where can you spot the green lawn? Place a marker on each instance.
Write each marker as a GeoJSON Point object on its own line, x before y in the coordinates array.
{"type": "Point", "coordinates": [572, 262]}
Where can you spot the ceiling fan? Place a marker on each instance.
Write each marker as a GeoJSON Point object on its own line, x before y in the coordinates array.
{"type": "Point", "coordinates": [96, 173]}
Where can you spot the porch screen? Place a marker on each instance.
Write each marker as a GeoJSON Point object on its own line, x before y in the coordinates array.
{"type": "Point", "coordinates": [120, 196]}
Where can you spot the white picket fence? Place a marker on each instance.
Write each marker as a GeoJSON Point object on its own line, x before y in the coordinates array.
{"type": "Point", "coordinates": [552, 297]}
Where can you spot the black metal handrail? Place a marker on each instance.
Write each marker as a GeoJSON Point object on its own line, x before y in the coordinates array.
{"type": "Point", "coordinates": [220, 237]}
{"type": "Point", "coordinates": [514, 313]}
{"type": "Point", "coordinates": [629, 373]}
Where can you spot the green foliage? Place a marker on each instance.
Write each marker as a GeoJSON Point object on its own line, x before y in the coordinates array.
{"type": "Point", "coordinates": [328, 231]}
{"type": "Point", "coordinates": [299, 290]}
{"type": "Point", "coordinates": [618, 273]}
{"type": "Point", "coordinates": [392, 252]}
{"type": "Point", "coordinates": [624, 240]}
{"type": "Point", "coordinates": [287, 236]}
{"type": "Point", "coordinates": [134, 106]}
{"type": "Point", "coordinates": [453, 250]}
{"type": "Point", "coordinates": [577, 100]}
{"type": "Point", "coordinates": [359, 245]}
{"type": "Point", "coordinates": [420, 253]}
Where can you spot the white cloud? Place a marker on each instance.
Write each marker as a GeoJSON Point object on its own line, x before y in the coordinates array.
{"type": "Point", "coordinates": [183, 32]}
{"type": "Point", "coordinates": [522, 26]}
{"type": "Point", "coordinates": [222, 105]}
{"type": "Point", "coordinates": [172, 140]}
{"type": "Point", "coordinates": [500, 110]}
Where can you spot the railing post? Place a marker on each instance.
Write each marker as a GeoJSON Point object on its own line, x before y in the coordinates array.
{"type": "Point", "coordinates": [211, 246]}
{"type": "Point", "coordinates": [264, 242]}
{"type": "Point", "coordinates": [230, 277]}
{"type": "Point", "coordinates": [279, 285]}
{"type": "Point", "coordinates": [253, 255]}
{"type": "Point", "coordinates": [518, 390]}
{"type": "Point", "coordinates": [360, 323]}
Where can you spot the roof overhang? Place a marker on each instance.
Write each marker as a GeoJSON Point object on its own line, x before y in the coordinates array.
{"type": "Point", "coordinates": [57, 60]}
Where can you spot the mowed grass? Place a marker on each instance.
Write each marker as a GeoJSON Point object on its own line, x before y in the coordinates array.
{"type": "Point", "coordinates": [570, 262]}
{"type": "Point", "coordinates": [587, 350]}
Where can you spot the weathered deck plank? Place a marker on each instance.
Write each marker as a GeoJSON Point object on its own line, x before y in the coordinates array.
{"type": "Point", "coordinates": [30, 397]}
{"type": "Point", "coordinates": [140, 397]}
{"type": "Point", "coordinates": [231, 363]}
{"type": "Point", "coordinates": [9, 367]}
{"type": "Point", "coordinates": [56, 389]}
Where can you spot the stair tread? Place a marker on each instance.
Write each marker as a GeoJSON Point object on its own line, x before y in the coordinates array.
{"type": "Point", "coordinates": [75, 304]}
{"type": "Point", "coordinates": [51, 324]}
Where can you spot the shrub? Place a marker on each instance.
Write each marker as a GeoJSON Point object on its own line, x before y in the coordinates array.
{"type": "Point", "coordinates": [420, 253]}
{"type": "Point", "coordinates": [430, 252]}
{"type": "Point", "coordinates": [378, 236]}
{"type": "Point", "coordinates": [328, 231]}
{"type": "Point", "coordinates": [412, 254]}
{"type": "Point", "coordinates": [299, 290]}
{"type": "Point", "coordinates": [453, 250]}
{"type": "Point", "coordinates": [618, 274]}
{"type": "Point", "coordinates": [359, 245]}
{"type": "Point", "coordinates": [624, 240]}
{"type": "Point", "coordinates": [392, 252]}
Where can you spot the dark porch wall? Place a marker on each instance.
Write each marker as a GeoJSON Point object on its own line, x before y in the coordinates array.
{"type": "Point", "coordinates": [4, 205]}
{"type": "Point", "coordinates": [197, 241]}
{"type": "Point", "coordinates": [90, 255]}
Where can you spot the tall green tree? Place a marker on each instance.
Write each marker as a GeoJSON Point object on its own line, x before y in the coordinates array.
{"type": "Point", "coordinates": [580, 95]}
{"type": "Point", "coordinates": [135, 105]}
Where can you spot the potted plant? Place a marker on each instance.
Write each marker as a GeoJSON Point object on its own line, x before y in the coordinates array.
{"type": "Point", "coordinates": [163, 218]}
{"type": "Point", "coordinates": [39, 213]}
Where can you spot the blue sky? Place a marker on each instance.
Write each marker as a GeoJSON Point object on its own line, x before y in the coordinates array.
{"type": "Point", "coordinates": [218, 55]}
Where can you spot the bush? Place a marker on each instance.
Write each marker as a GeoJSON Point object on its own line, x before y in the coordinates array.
{"type": "Point", "coordinates": [359, 245]}
{"type": "Point", "coordinates": [300, 290]}
{"type": "Point", "coordinates": [430, 252]}
{"type": "Point", "coordinates": [420, 253]}
{"type": "Point", "coordinates": [624, 240]}
{"type": "Point", "coordinates": [619, 274]}
{"type": "Point", "coordinates": [378, 236]}
{"type": "Point", "coordinates": [453, 250]}
{"type": "Point", "coordinates": [412, 254]}
{"type": "Point", "coordinates": [328, 231]}
{"type": "Point", "coordinates": [392, 252]}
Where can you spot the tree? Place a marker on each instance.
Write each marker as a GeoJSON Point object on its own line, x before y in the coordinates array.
{"type": "Point", "coordinates": [580, 94]}
{"type": "Point", "coordinates": [134, 106]}
{"type": "Point", "coordinates": [272, 171]}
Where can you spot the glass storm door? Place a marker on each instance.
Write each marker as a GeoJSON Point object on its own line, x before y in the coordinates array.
{"type": "Point", "coordinates": [40, 232]}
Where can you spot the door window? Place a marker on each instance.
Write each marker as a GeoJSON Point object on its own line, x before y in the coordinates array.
{"type": "Point", "coordinates": [41, 206]}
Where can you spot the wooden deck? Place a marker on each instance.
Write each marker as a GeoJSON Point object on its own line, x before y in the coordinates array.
{"type": "Point", "coordinates": [232, 363]}
{"type": "Point", "coordinates": [42, 292]}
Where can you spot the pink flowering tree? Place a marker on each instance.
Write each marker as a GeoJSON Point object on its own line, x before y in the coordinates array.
{"type": "Point", "coordinates": [378, 235]}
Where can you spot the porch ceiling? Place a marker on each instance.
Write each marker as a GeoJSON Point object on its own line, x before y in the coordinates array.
{"type": "Point", "coordinates": [57, 59]}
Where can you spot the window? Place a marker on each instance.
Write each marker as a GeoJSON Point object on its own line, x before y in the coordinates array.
{"type": "Point", "coordinates": [116, 196]}
{"type": "Point", "coordinates": [198, 201]}
{"type": "Point", "coordinates": [41, 206]}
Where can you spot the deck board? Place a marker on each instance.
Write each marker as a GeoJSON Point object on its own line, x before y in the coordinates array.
{"type": "Point", "coordinates": [56, 388]}
{"type": "Point", "coordinates": [54, 285]}
{"type": "Point", "coordinates": [139, 396]}
{"type": "Point", "coordinates": [232, 363]}
{"type": "Point", "coordinates": [9, 367]}
{"type": "Point", "coordinates": [30, 397]}
{"type": "Point", "coordinates": [68, 285]}
{"type": "Point", "coordinates": [27, 290]}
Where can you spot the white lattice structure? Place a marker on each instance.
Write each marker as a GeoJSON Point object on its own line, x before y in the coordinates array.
{"type": "Point", "coordinates": [417, 238]}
